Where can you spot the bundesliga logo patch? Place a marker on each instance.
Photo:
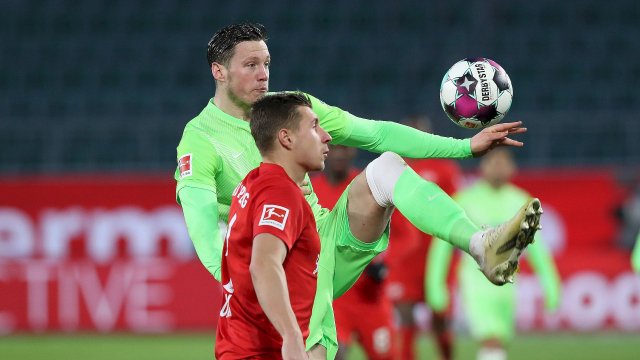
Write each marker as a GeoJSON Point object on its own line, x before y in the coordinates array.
{"type": "Point", "coordinates": [184, 165]}
{"type": "Point", "coordinates": [274, 215]}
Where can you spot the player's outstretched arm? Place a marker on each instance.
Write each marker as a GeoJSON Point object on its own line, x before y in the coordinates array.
{"type": "Point", "coordinates": [270, 283]}
{"type": "Point", "coordinates": [496, 135]}
{"type": "Point", "coordinates": [437, 268]}
{"type": "Point", "coordinates": [635, 256]}
{"type": "Point", "coordinates": [544, 266]}
{"type": "Point", "coordinates": [200, 209]}
{"type": "Point", "coordinates": [380, 136]}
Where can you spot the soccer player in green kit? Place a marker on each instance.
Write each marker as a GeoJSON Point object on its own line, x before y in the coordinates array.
{"type": "Point", "coordinates": [216, 151]}
{"type": "Point", "coordinates": [635, 256]}
{"type": "Point", "coordinates": [490, 309]}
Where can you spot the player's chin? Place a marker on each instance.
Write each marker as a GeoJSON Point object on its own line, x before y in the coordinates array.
{"type": "Point", "coordinates": [319, 166]}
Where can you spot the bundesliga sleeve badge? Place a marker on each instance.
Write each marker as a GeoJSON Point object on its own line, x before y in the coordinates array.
{"type": "Point", "coordinates": [184, 165]}
{"type": "Point", "coordinates": [274, 215]}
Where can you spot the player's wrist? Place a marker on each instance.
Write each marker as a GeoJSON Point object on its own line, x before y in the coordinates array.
{"type": "Point", "coordinates": [291, 333]}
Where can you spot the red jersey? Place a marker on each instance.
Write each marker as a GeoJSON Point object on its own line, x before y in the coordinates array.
{"type": "Point", "coordinates": [266, 201]}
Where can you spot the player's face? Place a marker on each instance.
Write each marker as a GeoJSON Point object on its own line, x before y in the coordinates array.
{"type": "Point", "coordinates": [498, 167]}
{"type": "Point", "coordinates": [311, 141]}
{"type": "Point", "coordinates": [247, 76]}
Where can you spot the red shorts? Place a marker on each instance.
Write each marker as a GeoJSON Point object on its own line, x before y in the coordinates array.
{"type": "Point", "coordinates": [368, 322]}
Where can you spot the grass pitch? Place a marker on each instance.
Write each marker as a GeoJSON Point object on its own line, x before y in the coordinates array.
{"type": "Point", "coordinates": [196, 346]}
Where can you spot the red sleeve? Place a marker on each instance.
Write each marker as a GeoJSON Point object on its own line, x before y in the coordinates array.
{"type": "Point", "coordinates": [277, 211]}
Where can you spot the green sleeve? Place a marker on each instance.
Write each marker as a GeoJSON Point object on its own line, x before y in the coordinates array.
{"type": "Point", "coordinates": [205, 162]}
{"type": "Point", "coordinates": [542, 262]}
{"type": "Point", "coordinates": [200, 208]}
{"type": "Point", "coordinates": [635, 256]}
{"type": "Point", "coordinates": [196, 192]}
{"type": "Point", "coordinates": [438, 260]}
{"type": "Point", "coordinates": [380, 136]}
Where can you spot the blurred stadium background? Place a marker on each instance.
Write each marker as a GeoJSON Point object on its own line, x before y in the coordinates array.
{"type": "Point", "coordinates": [95, 261]}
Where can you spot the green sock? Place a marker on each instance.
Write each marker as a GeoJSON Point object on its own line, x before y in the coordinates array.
{"type": "Point", "coordinates": [432, 211]}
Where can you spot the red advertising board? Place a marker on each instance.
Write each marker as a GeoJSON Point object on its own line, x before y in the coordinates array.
{"type": "Point", "coordinates": [110, 253]}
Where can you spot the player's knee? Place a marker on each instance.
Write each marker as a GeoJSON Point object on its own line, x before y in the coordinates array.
{"type": "Point", "coordinates": [382, 175]}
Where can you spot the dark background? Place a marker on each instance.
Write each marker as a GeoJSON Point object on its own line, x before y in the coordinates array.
{"type": "Point", "coordinates": [108, 85]}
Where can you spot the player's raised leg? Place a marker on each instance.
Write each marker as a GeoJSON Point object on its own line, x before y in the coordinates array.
{"type": "Point", "coordinates": [388, 181]}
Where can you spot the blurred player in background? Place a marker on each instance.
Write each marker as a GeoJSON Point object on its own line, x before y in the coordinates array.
{"type": "Point", "coordinates": [363, 313]}
{"type": "Point", "coordinates": [408, 253]}
{"type": "Point", "coordinates": [269, 266]}
{"type": "Point", "coordinates": [216, 151]}
{"type": "Point", "coordinates": [490, 310]}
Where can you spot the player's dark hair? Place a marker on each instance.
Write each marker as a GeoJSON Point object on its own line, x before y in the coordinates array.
{"type": "Point", "coordinates": [274, 112]}
{"type": "Point", "coordinates": [221, 46]}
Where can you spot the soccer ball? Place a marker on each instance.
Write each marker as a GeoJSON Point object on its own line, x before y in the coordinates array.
{"type": "Point", "coordinates": [476, 93]}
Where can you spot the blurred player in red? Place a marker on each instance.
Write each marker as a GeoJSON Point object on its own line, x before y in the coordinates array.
{"type": "Point", "coordinates": [363, 313]}
{"type": "Point", "coordinates": [270, 256]}
{"type": "Point", "coordinates": [407, 256]}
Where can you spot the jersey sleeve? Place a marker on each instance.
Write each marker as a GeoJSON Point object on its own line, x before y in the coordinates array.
{"type": "Point", "coordinates": [437, 268]}
{"type": "Point", "coordinates": [277, 211]}
{"type": "Point", "coordinates": [380, 136]}
{"type": "Point", "coordinates": [196, 192]}
{"type": "Point", "coordinates": [198, 162]}
{"type": "Point", "coordinates": [542, 262]}
{"type": "Point", "coordinates": [200, 209]}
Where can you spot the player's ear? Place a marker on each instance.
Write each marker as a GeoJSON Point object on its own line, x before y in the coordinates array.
{"type": "Point", "coordinates": [218, 71]}
{"type": "Point", "coordinates": [285, 138]}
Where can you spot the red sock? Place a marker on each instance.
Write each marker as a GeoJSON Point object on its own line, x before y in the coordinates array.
{"type": "Point", "coordinates": [407, 336]}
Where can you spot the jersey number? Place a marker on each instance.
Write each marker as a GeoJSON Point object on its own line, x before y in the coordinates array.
{"type": "Point", "coordinates": [226, 239]}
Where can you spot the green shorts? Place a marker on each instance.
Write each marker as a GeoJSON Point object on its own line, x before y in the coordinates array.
{"type": "Point", "coordinates": [342, 260]}
{"type": "Point", "coordinates": [489, 309]}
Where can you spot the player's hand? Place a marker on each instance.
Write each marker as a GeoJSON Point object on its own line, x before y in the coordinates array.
{"type": "Point", "coordinates": [494, 136]}
{"type": "Point", "coordinates": [293, 347]}
{"type": "Point", "coordinates": [305, 188]}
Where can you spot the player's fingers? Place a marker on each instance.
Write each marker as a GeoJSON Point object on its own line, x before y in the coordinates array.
{"type": "Point", "coordinates": [493, 136]}
{"type": "Point", "coordinates": [505, 126]}
{"type": "Point", "coordinates": [510, 142]}
{"type": "Point", "coordinates": [518, 130]}
{"type": "Point", "coordinates": [305, 188]}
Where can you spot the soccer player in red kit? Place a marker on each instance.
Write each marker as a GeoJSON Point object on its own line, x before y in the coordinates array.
{"type": "Point", "coordinates": [407, 260]}
{"type": "Point", "coordinates": [270, 256]}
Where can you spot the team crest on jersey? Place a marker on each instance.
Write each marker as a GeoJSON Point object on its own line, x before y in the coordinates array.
{"type": "Point", "coordinates": [274, 215]}
{"type": "Point", "coordinates": [184, 165]}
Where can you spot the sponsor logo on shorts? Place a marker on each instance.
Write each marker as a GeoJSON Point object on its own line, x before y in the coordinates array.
{"type": "Point", "coordinates": [184, 165]}
{"type": "Point", "coordinates": [274, 215]}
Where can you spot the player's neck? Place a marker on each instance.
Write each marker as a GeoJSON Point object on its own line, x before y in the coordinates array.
{"type": "Point", "coordinates": [231, 107]}
{"type": "Point", "coordinates": [296, 172]}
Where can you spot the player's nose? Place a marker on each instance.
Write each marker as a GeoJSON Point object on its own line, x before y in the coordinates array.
{"type": "Point", "coordinates": [324, 136]}
{"type": "Point", "coordinates": [263, 74]}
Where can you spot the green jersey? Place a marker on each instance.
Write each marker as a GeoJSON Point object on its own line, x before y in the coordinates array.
{"type": "Point", "coordinates": [217, 151]}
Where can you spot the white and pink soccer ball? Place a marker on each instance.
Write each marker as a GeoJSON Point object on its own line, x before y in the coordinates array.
{"type": "Point", "coordinates": [476, 93]}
